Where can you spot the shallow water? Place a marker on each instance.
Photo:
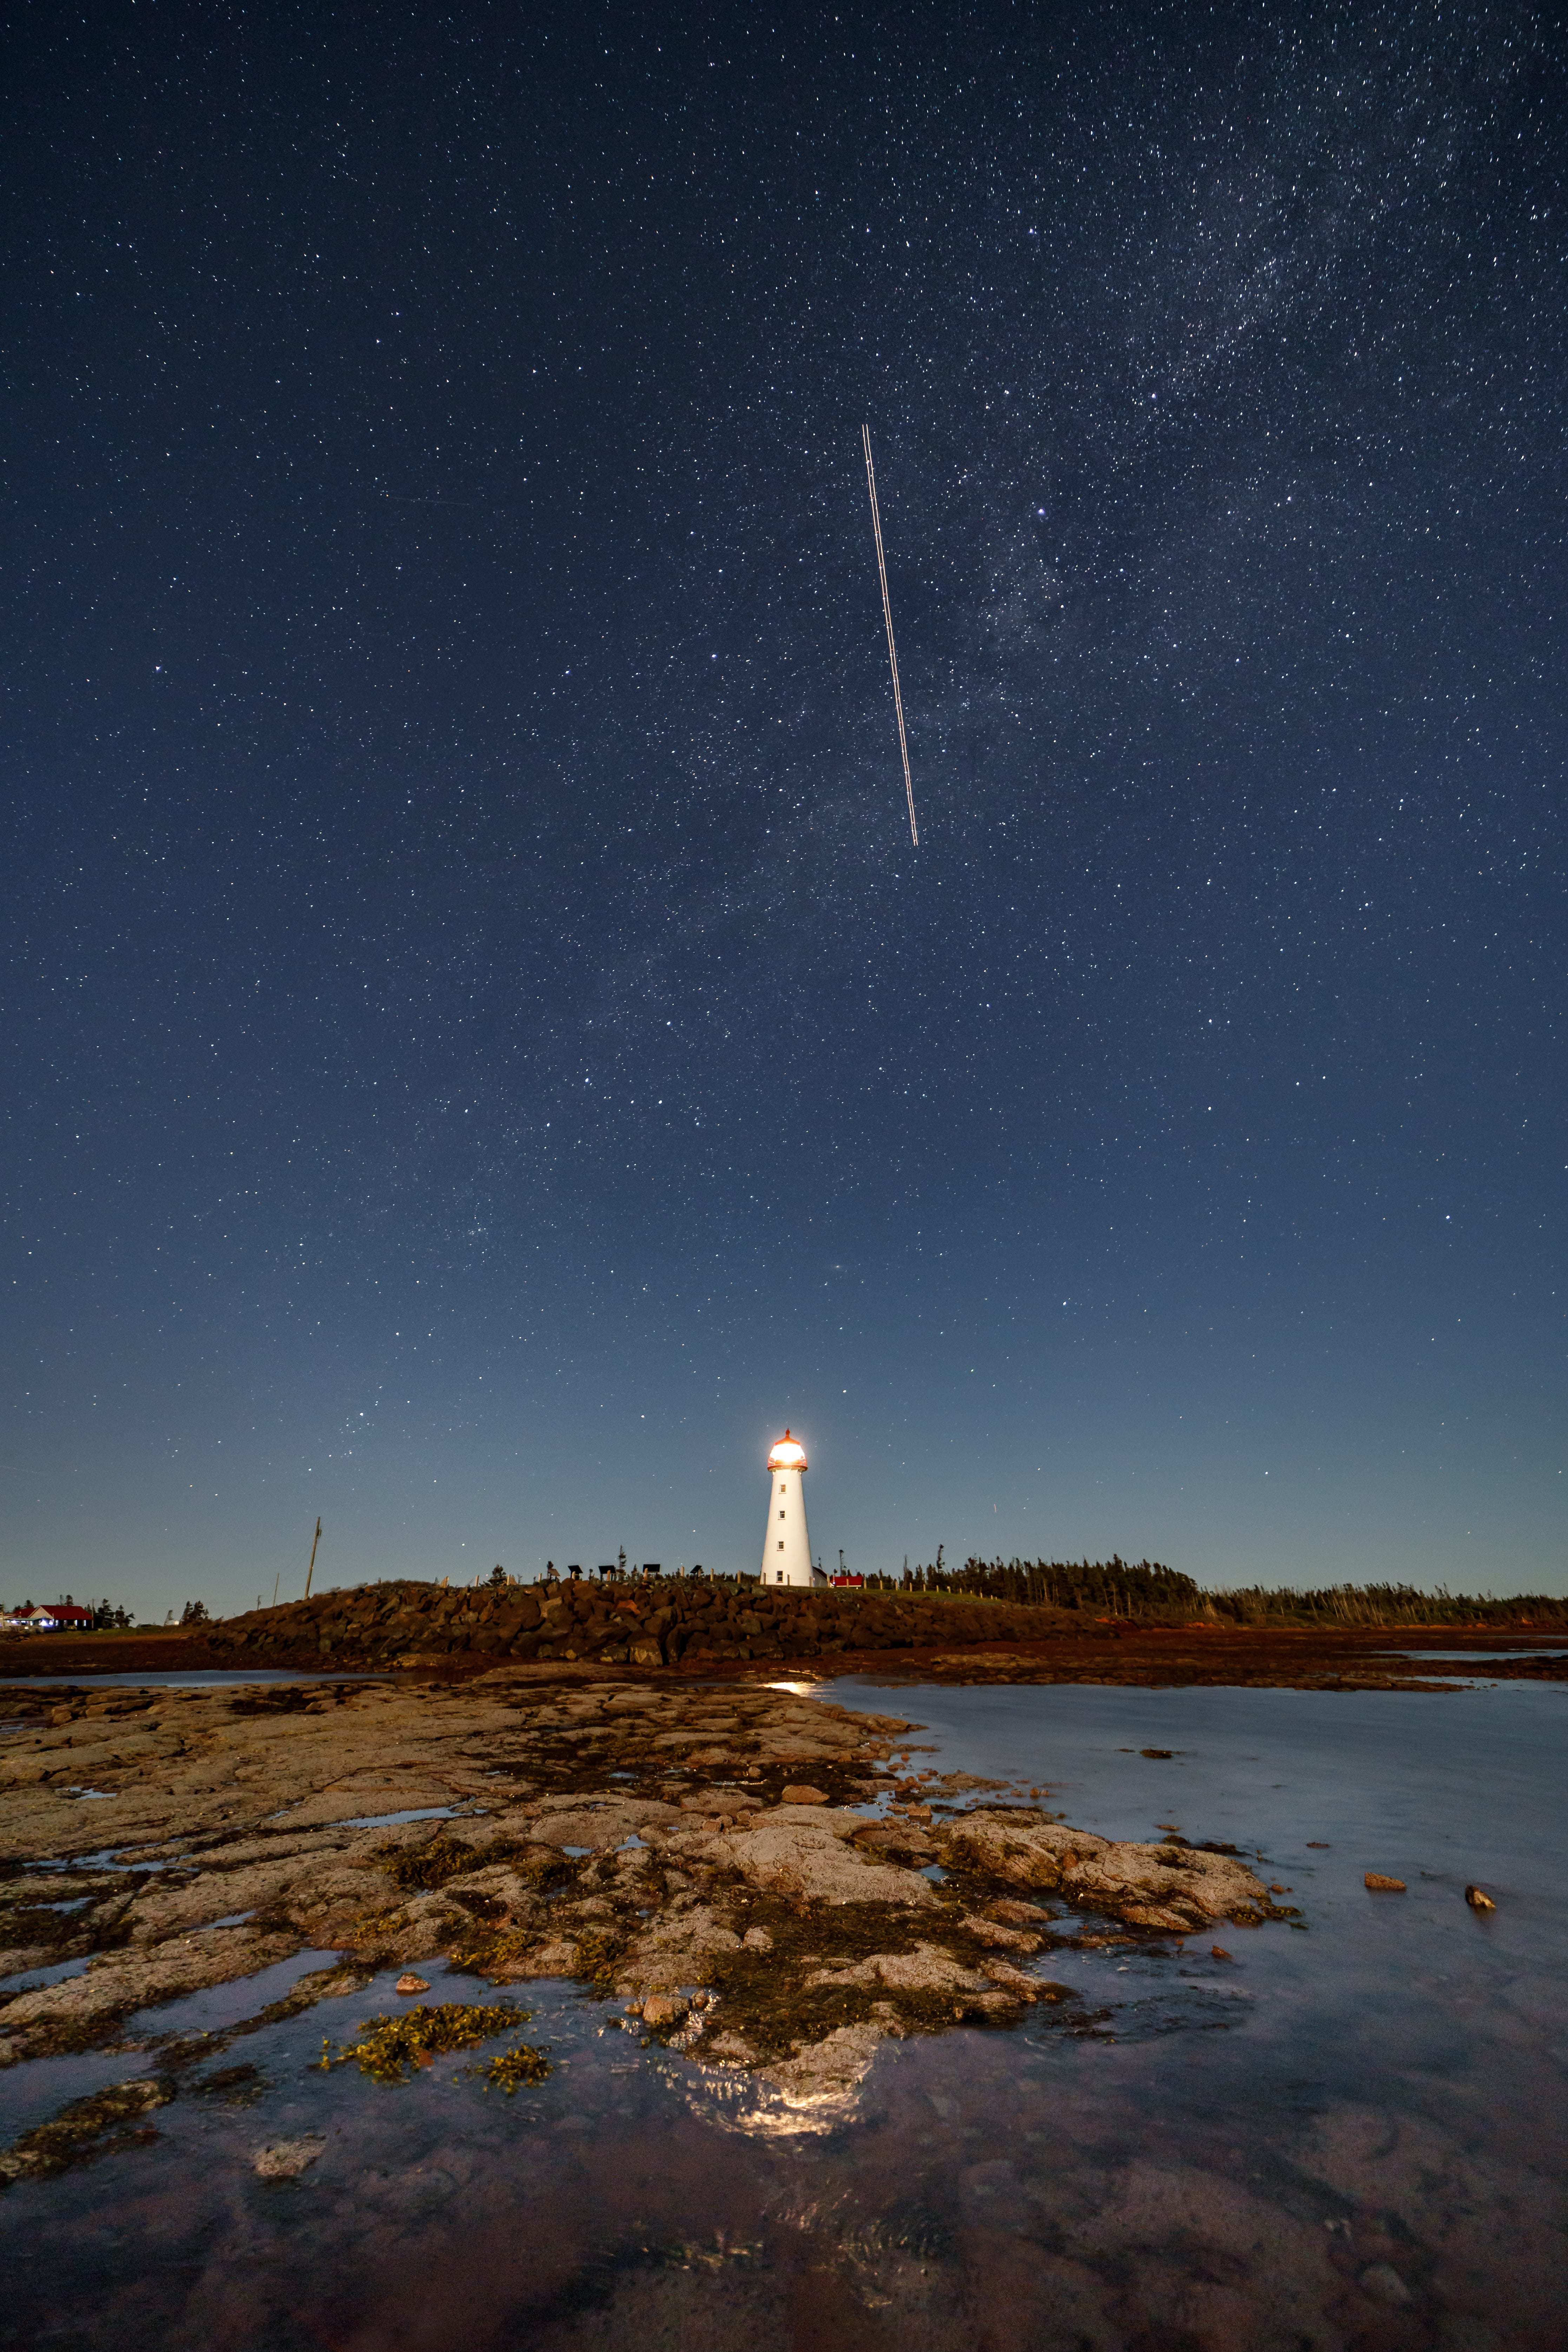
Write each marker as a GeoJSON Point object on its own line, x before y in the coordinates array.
{"type": "Point", "coordinates": [55, 1972]}
{"type": "Point", "coordinates": [218, 1678]}
{"type": "Point", "coordinates": [1350, 2137]}
{"type": "Point", "coordinates": [1482, 1655]}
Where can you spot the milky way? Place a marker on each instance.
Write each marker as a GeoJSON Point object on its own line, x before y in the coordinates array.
{"type": "Point", "coordinates": [483, 1051]}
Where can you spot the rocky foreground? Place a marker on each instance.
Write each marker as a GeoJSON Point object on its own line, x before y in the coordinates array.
{"type": "Point", "coordinates": [744, 1867]}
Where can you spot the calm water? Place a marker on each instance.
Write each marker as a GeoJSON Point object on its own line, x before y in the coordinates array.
{"type": "Point", "coordinates": [217, 1678]}
{"type": "Point", "coordinates": [1348, 2137]}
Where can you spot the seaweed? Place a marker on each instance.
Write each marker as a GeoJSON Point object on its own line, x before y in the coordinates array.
{"type": "Point", "coordinates": [389, 2047]}
{"type": "Point", "coordinates": [547, 1871]}
{"type": "Point", "coordinates": [237, 2086]}
{"type": "Point", "coordinates": [481, 1950]}
{"type": "Point", "coordinates": [432, 1864]}
{"type": "Point", "coordinates": [85, 2130]}
{"type": "Point", "coordinates": [767, 2001]}
{"type": "Point", "coordinates": [511, 2069]}
{"type": "Point", "coordinates": [598, 1956]}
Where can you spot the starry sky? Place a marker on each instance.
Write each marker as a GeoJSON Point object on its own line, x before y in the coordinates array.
{"type": "Point", "coordinates": [482, 1052]}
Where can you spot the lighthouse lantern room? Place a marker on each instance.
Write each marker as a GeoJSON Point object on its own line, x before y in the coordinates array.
{"type": "Point", "coordinates": [786, 1550]}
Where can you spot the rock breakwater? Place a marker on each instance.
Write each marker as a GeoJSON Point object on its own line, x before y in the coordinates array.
{"type": "Point", "coordinates": [671, 1622]}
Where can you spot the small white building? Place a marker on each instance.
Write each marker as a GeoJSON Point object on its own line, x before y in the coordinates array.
{"type": "Point", "coordinates": [786, 1548]}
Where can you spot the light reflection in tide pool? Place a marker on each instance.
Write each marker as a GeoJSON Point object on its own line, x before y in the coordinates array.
{"type": "Point", "coordinates": [1350, 2136]}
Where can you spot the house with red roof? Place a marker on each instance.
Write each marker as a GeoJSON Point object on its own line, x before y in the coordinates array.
{"type": "Point", "coordinates": [67, 1616]}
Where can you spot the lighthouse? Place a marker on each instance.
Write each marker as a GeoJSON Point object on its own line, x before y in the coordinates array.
{"type": "Point", "coordinates": [786, 1548]}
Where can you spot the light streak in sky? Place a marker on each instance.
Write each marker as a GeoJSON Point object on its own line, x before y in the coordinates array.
{"type": "Point", "coordinates": [892, 650]}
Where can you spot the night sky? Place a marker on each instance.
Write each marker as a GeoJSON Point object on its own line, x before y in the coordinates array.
{"type": "Point", "coordinates": [481, 1052]}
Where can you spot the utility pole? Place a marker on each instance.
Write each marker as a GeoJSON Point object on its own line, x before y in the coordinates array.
{"type": "Point", "coordinates": [275, 1583]}
{"type": "Point", "coordinates": [311, 1569]}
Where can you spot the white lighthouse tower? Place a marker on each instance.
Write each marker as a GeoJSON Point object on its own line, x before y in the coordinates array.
{"type": "Point", "coordinates": [786, 1550]}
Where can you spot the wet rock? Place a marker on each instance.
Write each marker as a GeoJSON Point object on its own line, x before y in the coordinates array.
{"type": "Point", "coordinates": [1014, 1913]}
{"type": "Point", "coordinates": [552, 1956]}
{"type": "Point", "coordinates": [408, 1983]}
{"type": "Point", "coordinates": [286, 2159]}
{"type": "Point", "coordinates": [757, 1940]}
{"type": "Point", "coordinates": [926, 1970]}
{"type": "Point", "coordinates": [900, 1841]}
{"type": "Point", "coordinates": [1147, 1885]}
{"type": "Point", "coordinates": [88, 2128]}
{"type": "Point", "coordinates": [678, 1947]}
{"type": "Point", "coordinates": [1382, 1885]}
{"type": "Point", "coordinates": [1011, 1980]}
{"type": "Point", "coordinates": [823, 2078]}
{"type": "Point", "coordinates": [998, 1937]}
{"type": "Point", "coordinates": [724, 1803]}
{"type": "Point", "coordinates": [801, 1794]}
{"type": "Point", "coordinates": [729, 2049]}
{"type": "Point", "coordinates": [1478, 1901]}
{"type": "Point", "coordinates": [664, 2008]}
{"type": "Point", "coordinates": [1384, 2284]}
{"type": "Point", "coordinates": [61, 2015]}
{"type": "Point", "coordinates": [804, 1851]}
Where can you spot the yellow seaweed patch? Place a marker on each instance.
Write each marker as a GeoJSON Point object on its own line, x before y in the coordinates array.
{"type": "Point", "coordinates": [388, 2047]}
{"type": "Point", "coordinates": [598, 1956]}
{"type": "Point", "coordinates": [479, 1949]}
{"type": "Point", "coordinates": [509, 2070]}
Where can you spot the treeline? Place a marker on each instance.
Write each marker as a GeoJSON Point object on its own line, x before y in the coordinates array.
{"type": "Point", "coordinates": [1385, 1604]}
{"type": "Point", "coordinates": [1105, 1588]}
{"type": "Point", "coordinates": [1144, 1588]}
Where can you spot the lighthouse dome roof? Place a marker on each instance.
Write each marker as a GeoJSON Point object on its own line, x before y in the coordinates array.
{"type": "Point", "coordinates": [788, 1454]}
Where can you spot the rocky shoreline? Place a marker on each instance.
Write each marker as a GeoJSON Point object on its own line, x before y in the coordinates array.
{"type": "Point", "coordinates": [757, 1877]}
{"type": "Point", "coordinates": [702, 1628]}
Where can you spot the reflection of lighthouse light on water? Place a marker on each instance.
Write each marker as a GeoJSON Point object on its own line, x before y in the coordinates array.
{"type": "Point", "coordinates": [786, 1548]}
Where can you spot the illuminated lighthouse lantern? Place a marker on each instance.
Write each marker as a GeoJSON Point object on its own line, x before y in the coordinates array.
{"type": "Point", "coordinates": [786, 1551]}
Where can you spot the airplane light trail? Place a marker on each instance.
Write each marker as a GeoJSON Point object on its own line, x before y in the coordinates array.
{"type": "Point", "coordinates": [892, 650]}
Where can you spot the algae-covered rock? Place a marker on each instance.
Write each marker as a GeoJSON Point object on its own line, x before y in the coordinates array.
{"type": "Point", "coordinates": [65, 2015]}
{"type": "Point", "coordinates": [88, 2128]}
{"type": "Point", "coordinates": [286, 2159]}
{"type": "Point", "coordinates": [678, 1947]}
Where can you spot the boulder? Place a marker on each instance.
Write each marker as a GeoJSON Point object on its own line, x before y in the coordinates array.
{"type": "Point", "coordinates": [927, 1968]}
{"type": "Point", "coordinates": [804, 1850]}
{"type": "Point", "coordinates": [1167, 1886]}
{"type": "Point", "coordinates": [600, 1824]}
{"type": "Point", "coordinates": [286, 2159]}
